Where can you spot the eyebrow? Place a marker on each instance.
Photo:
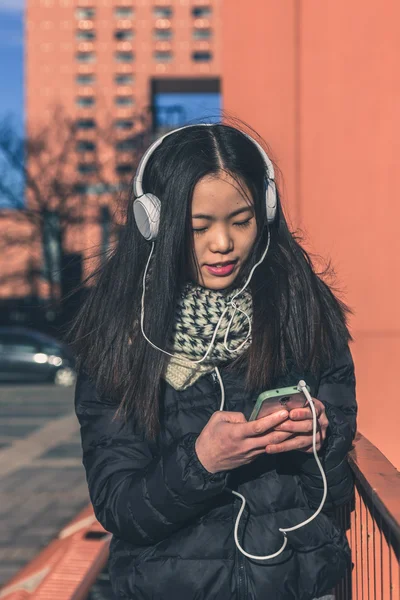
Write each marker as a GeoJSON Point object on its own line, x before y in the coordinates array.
{"type": "Point", "coordinates": [234, 214]}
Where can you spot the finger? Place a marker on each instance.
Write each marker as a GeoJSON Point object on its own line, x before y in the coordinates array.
{"type": "Point", "coordinates": [260, 426]}
{"type": "Point", "coordinates": [303, 426]}
{"type": "Point", "coordinates": [307, 450]}
{"type": "Point", "coordinates": [274, 438]}
{"type": "Point", "coordinates": [230, 417]}
{"type": "Point", "coordinates": [296, 443]}
{"type": "Point", "coordinates": [299, 414]}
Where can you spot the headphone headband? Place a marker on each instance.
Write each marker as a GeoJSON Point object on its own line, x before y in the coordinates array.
{"type": "Point", "coordinates": [147, 206]}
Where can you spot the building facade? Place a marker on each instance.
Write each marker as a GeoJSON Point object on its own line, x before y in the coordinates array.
{"type": "Point", "coordinates": [102, 79]}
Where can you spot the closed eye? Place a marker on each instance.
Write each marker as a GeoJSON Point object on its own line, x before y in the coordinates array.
{"type": "Point", "coordinates": [243, 223]}
{"type": "Point", "coordinates": [240, 224]}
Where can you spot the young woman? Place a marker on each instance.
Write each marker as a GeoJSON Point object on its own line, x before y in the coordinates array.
{"type": "Point", "coordinates": [207, 301]}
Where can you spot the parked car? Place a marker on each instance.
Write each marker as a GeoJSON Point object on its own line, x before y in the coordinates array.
{"type": "Point", "coordinates": [29, 355]}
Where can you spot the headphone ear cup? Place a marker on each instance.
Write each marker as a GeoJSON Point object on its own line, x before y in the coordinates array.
{"type": "Point", "coordinates": [147, 210]}
{"type": "Point", "coordinates": [271, 200]}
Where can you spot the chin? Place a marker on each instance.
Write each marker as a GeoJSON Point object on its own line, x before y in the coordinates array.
{"type": "Point", "coordinates": [218, 283]}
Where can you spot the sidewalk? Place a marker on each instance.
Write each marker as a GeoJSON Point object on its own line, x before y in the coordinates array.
{"type": "Point", "coordinates": [42, 481]}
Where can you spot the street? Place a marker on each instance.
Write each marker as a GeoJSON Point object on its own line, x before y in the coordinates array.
{"type": "Point", "coordinates": [42, 481]}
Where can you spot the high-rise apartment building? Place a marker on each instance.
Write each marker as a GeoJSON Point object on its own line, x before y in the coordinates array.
{"type": "Point", "coordinates": [120, 56]}
{"type": "Point", "coordinates": [116, 69]}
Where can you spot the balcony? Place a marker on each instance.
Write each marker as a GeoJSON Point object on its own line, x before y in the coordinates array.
{"type": "Point", "coordinates": [202, 24]}
{"type": "Point", "coordinates": [162, 24]}
{"type": "Point", "coordinates": [124, 24]}
{"type": "Point", "coordinates": [163, 46]}
{"type": "Point", "coordinates": [124, 46]}
{"type": "Point", "coordinates": [85, 24]}
{"type": "Point", "coordinates": [85, 47]}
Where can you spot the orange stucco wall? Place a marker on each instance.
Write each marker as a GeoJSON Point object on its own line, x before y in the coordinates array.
{"type": "Point", "coordinates": [319, 81]}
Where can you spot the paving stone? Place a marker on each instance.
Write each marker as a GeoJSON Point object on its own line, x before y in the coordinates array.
{"type": "Point", "coordinates": [47, 489]}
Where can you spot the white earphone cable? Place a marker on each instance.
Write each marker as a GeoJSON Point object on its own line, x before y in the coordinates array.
{"type": "Point", "coordinates": [303, 388]}
{"type": "Point", "coordinates": [231, 304]}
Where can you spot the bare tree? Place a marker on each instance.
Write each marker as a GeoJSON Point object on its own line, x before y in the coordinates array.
{"type": "Point", "coordinates": [50, 180]}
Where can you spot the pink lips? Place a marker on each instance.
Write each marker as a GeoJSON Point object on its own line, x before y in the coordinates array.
{"type": "Point", "coordinates": [221, 271]}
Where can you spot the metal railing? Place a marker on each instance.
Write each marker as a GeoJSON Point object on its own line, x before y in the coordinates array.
{"type": "Point", "coordinates": [372, 524]}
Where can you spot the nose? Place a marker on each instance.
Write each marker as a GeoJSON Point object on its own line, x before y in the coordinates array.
{"type": "Point", "coordinates": [221, 241]}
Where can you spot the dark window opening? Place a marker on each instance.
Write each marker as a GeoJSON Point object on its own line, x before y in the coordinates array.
{"type": "Point", "coordinates": [128, 144]}
{"type": "Point", "coordinates": [202, 56]}
{"type": "Point", "coordinates": [85, 78]}
{"type": "Point", "coordinates": [85, 57]}
{"type": "Point", "coordinates": [123, 100]}
{"type": "Point", "coordinates": [162, 12]}
{"type": "Point", "coordinates": [201, 11]}
{"type": "Point", "coordinates": [123, 78]}
{"type": "Point", "coordinates": [202, 34]}
{"type": "Point", "coordinates": [87, 168]}
{"type": "Point", "coordinates": [86, 124]}
{"type": "Point", "coordinates": [124, 124]}
{"type": "Point", "coordinates": [85, 146]}
{"type": "Point", "coordinates": [85, 101]}
{"type": "Point", "coordinates": [165, 56]}
{"type": "Point", "coordinates": [124, 169]}
{"type": "Point", "coordinates": [85, 35]}
{"type": "Point", "coordinates": [124, 57]}
{"type": "Point", "coordinates": [163, 34]}
{"type": "Point", "coordinates": [123, 35]}
{"type": "Point", "coordinates": [85, 13]}
{"type": "Point", "coordinates": [123, 12]}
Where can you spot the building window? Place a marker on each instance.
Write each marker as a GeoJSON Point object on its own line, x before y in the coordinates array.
{"type": "Point", "coordinates": [86, 35]}
{"type": "Point", "coordinates": [85, 146]}
{"type": "Point", "coordinates": [123, 12]}
{"type": "Point", "coordinates": [165, 56]}
{"type": "Point", "coordinates": [85, 57]}
{"type": "Point", "coordinates": [87, 168]}
{"type": "Point", "coordinates": [85, 13]}
{"type": "Point", "coordinates": [162, 12]}
{"type": "Point", "coordinates": [124, 169]}
{"type": "Point", "coordinates": [85, 101]}
{"type": "Point", "coordinates": [85, 79]}
{"type": "Point", "coordinates": [124, 100]}
{"type": "Point", "coordinates": [202, 34]}
{"type": "Point", "coordinates": [163, 34]}
{"type": "Point", "coordinates": [123, 35]}
{"type": "Point", "coordinates": [124, 57]}
{"type": "Point", "coordinates": [123, 124]}
{"type": "Point", "coordinates": [86, 123]}
{"type": "Point", "coordinates": [127, 144]}
{"type": "Point", "coordinates": [123, 78]}
{"type": "Point", "coordinates": [202, 56]}
{"type": "Point", "coordinates": [201, 12]}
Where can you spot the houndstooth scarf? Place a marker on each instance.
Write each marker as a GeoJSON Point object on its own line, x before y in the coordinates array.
{"type": "Point", "coordinates": [197, 313]}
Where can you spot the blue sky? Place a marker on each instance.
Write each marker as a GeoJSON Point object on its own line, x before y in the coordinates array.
{"type": "Point", "coordinates": [11, 58]}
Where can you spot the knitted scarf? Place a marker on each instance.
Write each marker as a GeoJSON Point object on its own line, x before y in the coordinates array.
{"type": "Point", "coordinates": [197, 313]}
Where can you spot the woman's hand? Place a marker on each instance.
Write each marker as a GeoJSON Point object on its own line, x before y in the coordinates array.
{"type": "Point", "coordinates": [229, 441]}
{"type": "Point", "coordinates": [300, 425]}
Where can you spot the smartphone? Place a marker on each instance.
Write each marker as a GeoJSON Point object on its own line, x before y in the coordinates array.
{"type": "Point", "coordinates": [273, 400]}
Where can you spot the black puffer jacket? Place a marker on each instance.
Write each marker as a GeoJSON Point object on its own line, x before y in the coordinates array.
{"type": "Point", "coordinates": [173, 521]}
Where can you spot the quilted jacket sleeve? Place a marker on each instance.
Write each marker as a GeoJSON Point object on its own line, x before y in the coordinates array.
{"type": "Point", "coordinates": [337, 392]}
{"type": "Point", "coordinates": [136, 493]}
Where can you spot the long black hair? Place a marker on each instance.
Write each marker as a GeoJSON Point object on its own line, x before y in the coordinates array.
{"type": "Point", "coordinates": [295, 313]}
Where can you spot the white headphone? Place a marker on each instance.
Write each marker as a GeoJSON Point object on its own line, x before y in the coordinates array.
{"type": "Point", "coordinates": [147, 207]}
